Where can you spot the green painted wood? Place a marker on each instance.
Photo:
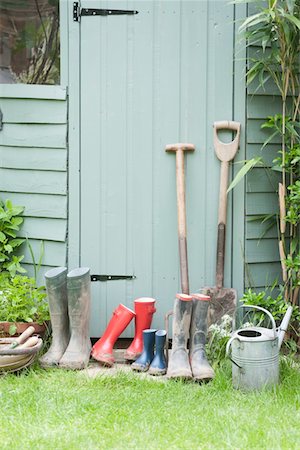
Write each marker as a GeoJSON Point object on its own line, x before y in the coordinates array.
{"type": "Point", "coordinates": [33, 181]}
{"type": "Point", "coordinates": [39, 205]}
{"type": "Point", "coordinates": [261, 245]}
{"type": "Point", "coordinates": [73, 138]}
{"type": "Point", "coordinates": [35, 120]}
{"type": "Point", "coordinates": [261, 251]}
{"type": "Point", "coordinates": [259, 107]}
{"type": "Point", "coordinates": [269, 88]}
{"type": "Point", "coordinates": [33, 135]}
{"type": "Point", "coordinates": [258, 230]}
{"type": "Point", "coordinates": [33, 158]}
{"type": "Point", "coordinates": [160, 94]}
{"type": "Point", "coordinates": [262, 180]}
{"type": "Point", "coordinates": [256, 135]}
{"type": "Point", "coordinates": [33, 111]}
{"type": "Point", "coordinates": [43, 228]}
{"type": "Point", "coordinates": [33, 91]}
{"type": "Point", "coordinates": [268, 153]}
{"type": "Point", "coordinates": [54, 253]}
{"type": "Point", "coordinates": [262, 275]}
{"type": "Point", "coordinates": [261, 203]}
{"type": "Point", "coordinates": [40, 275]}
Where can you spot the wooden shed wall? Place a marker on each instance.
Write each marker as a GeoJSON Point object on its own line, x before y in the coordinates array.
{"type": "Point", "coordinates": [262, 262]}
{"type": "Point", "coordinates": [33, 167]}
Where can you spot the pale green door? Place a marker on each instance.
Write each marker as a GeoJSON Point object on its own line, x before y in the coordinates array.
{"type": "Point", "coordinates": [150, 79]}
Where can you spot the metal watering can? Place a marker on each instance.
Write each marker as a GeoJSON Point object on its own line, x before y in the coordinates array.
{"type": "Point", "coordinates": [255, 353]}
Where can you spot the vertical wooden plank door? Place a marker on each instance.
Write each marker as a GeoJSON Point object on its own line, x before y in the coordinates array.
{"type": "Point", "coordinates": [144, 84]}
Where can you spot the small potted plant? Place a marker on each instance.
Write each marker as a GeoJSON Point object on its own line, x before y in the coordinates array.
{"type": "Point", "coordinates": [22, 303]}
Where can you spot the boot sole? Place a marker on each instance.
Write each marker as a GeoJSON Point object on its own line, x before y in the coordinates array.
{"type": "Point", "coordinates": [156, 372]}
{"type": "Point", "coordinates": [206, 377]}
{"type": "Point", "coordinates": [49, 365]}
{"type": "Point", "coordinates": [180, 375]}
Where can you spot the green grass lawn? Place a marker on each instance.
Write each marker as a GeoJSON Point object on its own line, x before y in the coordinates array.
{"type": "Point", "coordinates": [56, 409]}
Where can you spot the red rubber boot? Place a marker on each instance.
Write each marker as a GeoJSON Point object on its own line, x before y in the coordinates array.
{"type": "Point", "coordinates": [144, 309]}
{"type": "Point", "coordinates": [103, 349]}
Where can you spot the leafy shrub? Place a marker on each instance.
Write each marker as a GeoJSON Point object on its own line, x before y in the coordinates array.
{"type": "Point", "coordinates": [21, 300]}
{"type": "Point", "coordinates": [277, 307]}
{"type": "Point", "coordinates": [10, 222]}
{"type": "Point", "coordinates": [218, 336]}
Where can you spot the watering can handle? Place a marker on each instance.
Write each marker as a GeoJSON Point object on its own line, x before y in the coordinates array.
{"type": "Point", "coordinates": [228, 345]}
{"type": "Point", "coordinates": [266, 312]}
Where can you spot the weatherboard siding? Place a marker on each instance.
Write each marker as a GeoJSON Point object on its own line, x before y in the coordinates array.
{"type": "Point", "coordinates": [262, 262]}
{"type": "Point", "coordinates": [33, 168]}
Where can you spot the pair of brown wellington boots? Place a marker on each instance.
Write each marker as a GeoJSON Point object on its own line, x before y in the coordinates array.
{"type": "Point", "coordinates": [69, 298]}
{"type": "Point", "coordinates": [190, 324]}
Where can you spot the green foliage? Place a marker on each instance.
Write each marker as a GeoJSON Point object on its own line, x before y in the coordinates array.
{"type": "Point", "coordinates": [275, 31]}
{"type": "Point", "coordinates": [244, 170]}
{"type": "Point", "coordinates": [21, 300]}
{"type": "Point", "coordinates": [36, 265]}
{"type": "Point", "coordinates": [10, 222]}
{"type": "Point", "coordinates": [277, 307]}
{"type": "Point", "coordinates": [218, 336]}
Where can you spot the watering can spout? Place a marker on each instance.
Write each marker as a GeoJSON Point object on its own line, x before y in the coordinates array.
{"type": "Point", "coordinates": [284, 325]}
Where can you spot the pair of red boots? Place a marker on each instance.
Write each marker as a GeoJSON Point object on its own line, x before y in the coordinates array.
{"type": "Point", "coordinates": [143, 312]}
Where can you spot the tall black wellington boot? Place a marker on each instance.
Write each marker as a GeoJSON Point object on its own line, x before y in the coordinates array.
{"type": "Point", "coordinates": [201, 369]}
{"type": "Point", "coordinates": [56, 285]}
{"type": "Point", "coordinates": [78, 351]}
{"type": "Point", "coordinates": [179, 365]}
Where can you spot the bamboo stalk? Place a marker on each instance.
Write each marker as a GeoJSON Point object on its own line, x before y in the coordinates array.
{"type": "Point", "coordinates": [282, 208]}
{"type": "Point", "coordinates": [295, 295]}
{"type": "Point", "coordinates": [282, 260]}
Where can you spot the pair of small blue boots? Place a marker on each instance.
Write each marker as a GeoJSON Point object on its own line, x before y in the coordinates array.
{"type": "Point", "coordinates": [153, 362]}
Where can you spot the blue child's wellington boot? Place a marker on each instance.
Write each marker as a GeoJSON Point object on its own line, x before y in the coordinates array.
{"type": "Point", "coordinates": [158, 365]}
{"type": "Point", "coordinates": [143, 362]}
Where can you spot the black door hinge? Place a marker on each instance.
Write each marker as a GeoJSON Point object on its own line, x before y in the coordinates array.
{"type": "Point", "coordinates": [112, 277]}
{"type": "Point", "coordinates": [79, 12]}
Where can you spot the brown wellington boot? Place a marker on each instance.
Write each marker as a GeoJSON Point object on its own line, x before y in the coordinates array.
{"type": "Point", "coordinates": [78, 351]}
{"type": "Point", "coordinates": [179, 365]}
{"type": "Point", "coordinates": [56, 285]}
{"type": "Point", "coordinates": [201, 369]}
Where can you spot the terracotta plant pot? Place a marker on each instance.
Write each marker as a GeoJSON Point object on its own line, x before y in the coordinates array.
{"type": "Point", "coordinates": [22, 326]}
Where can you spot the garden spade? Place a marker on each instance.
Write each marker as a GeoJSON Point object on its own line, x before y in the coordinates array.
{"type": "Point", "coordinates": [179, 150]}
{"type": "Point", "coordinates": [223, 300]}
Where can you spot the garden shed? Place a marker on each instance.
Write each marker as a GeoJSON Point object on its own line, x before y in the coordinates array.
{"type": "Point", "coordinates": [83, 136]}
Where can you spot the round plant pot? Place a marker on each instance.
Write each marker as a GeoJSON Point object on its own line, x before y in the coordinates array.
{"type": "Point", "coordinates": [21, 327]}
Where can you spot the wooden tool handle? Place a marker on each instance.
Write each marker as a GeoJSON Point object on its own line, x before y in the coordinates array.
{"type": "Point", "coordinates": [31, 342]}
{"type": "Point", "coordinates": [180, 148]}
{"type": "Point", "coordinates": [226, 151]}
{"type": "Point", "coordinates": [222, 224]}
{"type": "Point", "coordinates": [227, 125]}
{"type": "Point", "coordinates": [22, 338]}
{"type": "Point", "coordinates": [181, 214]}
